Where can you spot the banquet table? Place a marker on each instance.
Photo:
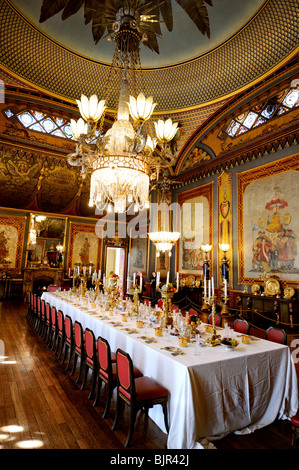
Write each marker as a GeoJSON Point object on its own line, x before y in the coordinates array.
{"type": "Point", "coordinates": [212, 391]}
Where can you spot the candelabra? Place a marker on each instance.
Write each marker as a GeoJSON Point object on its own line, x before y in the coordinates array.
{"type": "Point", "coordinates": [135, 307]}
{"type": "Point", "coordinates": [96, 282]}
{"type": "Point", "coordinates": [74, 277]}
{"type": "Point", "coordinates": [224, 247]}
{"type": "Point", "coordinates": [112, 292]}
{"type": "Point", "coordinates": [167, 292]}
{"type": "Point", "coordinates": [213, 340]}
{"type": "Point", "coordinates": [206, 273]}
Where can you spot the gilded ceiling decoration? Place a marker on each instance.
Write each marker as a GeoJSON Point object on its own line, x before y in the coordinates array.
{"type": "Point", "coordinates": [253, 52]}
{"type": "Point", "coordinates": [102, 14]}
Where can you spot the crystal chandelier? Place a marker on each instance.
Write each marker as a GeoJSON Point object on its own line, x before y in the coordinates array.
{"type": "Point", "coordinates": [164, 240]}
{"type": "Point", "coordinates": [123, 160]}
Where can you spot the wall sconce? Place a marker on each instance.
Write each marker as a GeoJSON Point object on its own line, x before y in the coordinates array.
{"type": "Point", "coordinates": [224, 247]}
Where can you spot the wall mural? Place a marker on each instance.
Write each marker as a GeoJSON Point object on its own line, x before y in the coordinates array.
{"type": "Point", "coordinates": [85, 247]}
{"type": "Point", "coordinates": [12, 230]}
{"type": "Point", "coordinates": [268, 221]}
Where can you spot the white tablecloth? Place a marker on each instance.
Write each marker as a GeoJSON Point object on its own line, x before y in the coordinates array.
{"type": "Point", "coordinates": [211, 394]}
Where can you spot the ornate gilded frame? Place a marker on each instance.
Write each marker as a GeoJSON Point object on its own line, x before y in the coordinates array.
{"type": "Point", "coordinates": [17, 224]}
{"type": "Point", "coordinates": [278, 172]}
{"type": "Point", "coordinates": [201, 192]}
{"type": "Point", "coordinates": [88, 231]}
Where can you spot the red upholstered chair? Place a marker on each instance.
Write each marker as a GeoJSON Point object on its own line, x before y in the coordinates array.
{"type": "Point", "coordinates": [160, 303]}
{"type": "Point", "coordinates": [28, 300]}
{"type": "Point", "coordinates": [175, 308]}
{"type": "Point", "coordinates": [295, 430]}
{"type": "Point", "coordinates": [69, 340]}
{"type": "Point", "coordinates": [137, 393]}
{"type": "Point", "coordinates": [54, 329]}
{"type": "Point", "coordinates": [277, 335]}
{"type": "Point", "coordinates": [218, 319]}
{"type": "Point", "coordinates": [30, 313]}
{"type": "Point", "coordinates": [52, 288]}
{"type": "Point", "coordinates": [42, 317]}
{"type": "Point", "coordinates": [241, 326]}
{"type": "Point", "coordinates": [65, 288]}
{"type": "Point", "coordinates": [79, 349]}
{"type": "Point", "coordinates": [146, 302]}
{"type": "Point", "coordinates": [60, 337]}
{"type": "Point", "coordinates": [48, 324]}
{"type": "Point", "coordinates": [107, 372]}
{"type": "Point", "coordinates": [91, 360]}
{"type": "Point", "coordinates": [37, 322]}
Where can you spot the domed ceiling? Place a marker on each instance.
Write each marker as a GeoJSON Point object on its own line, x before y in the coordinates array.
{"type": "Point", "coordinates": [230, 48]}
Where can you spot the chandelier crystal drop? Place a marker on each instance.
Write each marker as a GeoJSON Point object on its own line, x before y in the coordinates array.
{"type": "Point", "coordinates": [123, 160]}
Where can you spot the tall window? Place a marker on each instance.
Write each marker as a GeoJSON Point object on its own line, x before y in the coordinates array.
{"type": "Point", "coordinates": [263, 112]}
{"type": "Point", "coordinates": [41, 122]}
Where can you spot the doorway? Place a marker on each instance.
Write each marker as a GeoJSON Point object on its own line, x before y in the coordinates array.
{"type": "Point", "coordinates": [115, 262]}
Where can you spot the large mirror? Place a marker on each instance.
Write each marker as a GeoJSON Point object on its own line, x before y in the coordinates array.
{"type": "Point", "coordinates": [115, 262]}
{"type": "Point", "coordinates": [46, 241]}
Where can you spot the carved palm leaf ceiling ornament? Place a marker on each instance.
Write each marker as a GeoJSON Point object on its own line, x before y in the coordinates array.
{"type": "Point", "coordinates": [101, 14]}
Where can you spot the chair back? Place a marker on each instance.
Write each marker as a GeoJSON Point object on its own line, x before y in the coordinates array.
{"type": "Point", "coordinates": [218, 319]}
{"type": "Point", "coordinates": [125, 375]}
{"type": "Point", "coordinates": [60, 322]}
{"type": "Point", "coordinates": [241, 326]}
{"type": "Point", "coordinates": [160, 303]}
{"type": "Point", "coordinates": [34, 303]}
{"type": "Point", "coordinates": [52, 288]}
{"type": "Point", "coordinates": [90, 347]}
{"type": "Point", "coordinates": [48, 314]}
{"type": "Point", "coordinates": [43, 309]}
{"type": "Point", "coordinates": [79, 337]}
{"type": "Point", "coordinates": [53, 318]}
{"type": "Point", "coordinates": [146, 302]}
{"type": "Point", "coordinates": [104, 357]}
{"type": "Point", "coordinates": [277, 335]}
{"type": "Point", "coordinates": [175, 308]}
{"type": "Point", "coordinates": [65, 288]}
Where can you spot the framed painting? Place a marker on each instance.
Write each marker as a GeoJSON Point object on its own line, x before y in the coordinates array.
{"type": "Point", "coordinates": [268, 221]}
{"type": "Point", "coordinates": [139, 252]}
{"type": "Point", "coordinates": [12, 231]}
{"type": "Point", "coordinates": [196, 227]}
{"type": "Point", "coordinates": [85, 247]}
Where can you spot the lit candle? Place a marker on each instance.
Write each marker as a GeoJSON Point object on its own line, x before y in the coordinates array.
{"type": "Point", "coordinates": [212, 286]}
{"type": "Point", "coordinates": [225, 288]}
{"type": "Point", "coordinates": [134, 279]}
{"type": "Point", "coordinates": [209, 288]}
{"type": "Point", "coordinates": [205, 287]}
{"type": "Point", "coordinates": [167, 278]}
{"type": "Point", "coordinates": [140, 281]}
{"type": "Point", "coordinates": [177, 279]}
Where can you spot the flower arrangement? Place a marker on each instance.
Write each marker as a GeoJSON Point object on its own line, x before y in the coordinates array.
{"type": "Point", "coordinates": [112, 274]}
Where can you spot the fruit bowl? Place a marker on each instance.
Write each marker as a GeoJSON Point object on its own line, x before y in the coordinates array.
{"type": "Point", "coordinates": [229, 343]}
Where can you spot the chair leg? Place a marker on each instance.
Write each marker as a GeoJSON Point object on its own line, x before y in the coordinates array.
{"type": "Point", "coordinates": [110, 389]}
{"type": "Point", "coordinates": [80, 370]}
{"type": "Point", "coordinates": [133, 413]}
{"type": "Point", "coordinates": [74, 364]}
{"type": "Point", "coordinates": [84, 376]}
{"type": "Point", "coordinates": [70, 358]}
{"type": "Point", "coordinates": [93, 384]}
{"type": "Point", "coordinates": [117, 413]}
{"type": "Point", "coordinates": [164, 406]}
{"type": "Point", "coordinates": [98, 391]}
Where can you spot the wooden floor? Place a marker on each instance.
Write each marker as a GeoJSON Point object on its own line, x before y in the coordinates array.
{"type": "Point", "coordinates": [41, 406]}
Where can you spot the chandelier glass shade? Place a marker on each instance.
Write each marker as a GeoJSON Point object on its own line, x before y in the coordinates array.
{"type": "Point", "coordinates": [122, 160]}
{"type": "Point", "coordinates": [164, 241]}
